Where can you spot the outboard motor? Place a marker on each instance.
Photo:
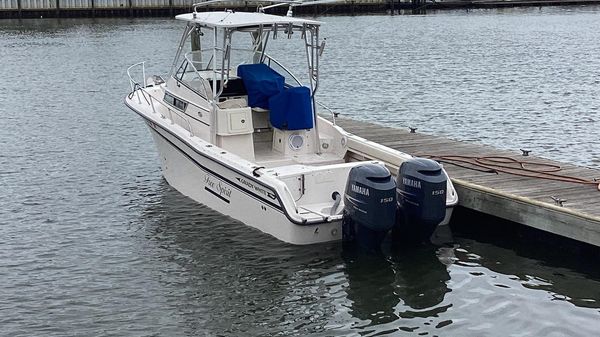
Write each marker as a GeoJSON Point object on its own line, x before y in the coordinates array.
{"type": "Point", "coordinates": [421, 187]}
{"type": "Point", "coordinates": [369, 205]}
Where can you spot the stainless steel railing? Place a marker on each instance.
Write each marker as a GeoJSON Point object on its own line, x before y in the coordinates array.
{"type": "Point", "coordinates": [140, 91]}
{"type": "Point", "coordinates": [271, 59]}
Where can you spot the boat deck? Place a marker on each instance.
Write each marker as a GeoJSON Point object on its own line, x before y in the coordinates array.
{"type": "Point", "coordinates": [564, 208]}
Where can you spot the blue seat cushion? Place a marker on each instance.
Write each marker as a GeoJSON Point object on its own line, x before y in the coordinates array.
{"type": "Point", "coordinates": [261, 83]}
{"type": "Point", "coordinates": [291, 109]}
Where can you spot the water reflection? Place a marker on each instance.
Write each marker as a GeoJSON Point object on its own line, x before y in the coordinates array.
{"type": "Point", "coordinates": [52, 27]}
{"type": "Point", "coordinates": [537, 260]}
{"type": "Point", "coordinates": [222, 277]}
{"type": "Point", "coordinates": [232, 278]}
{"type": "Point", "coordinates": [408, 284]}
{"type": "Point", "coordinates": [421, 279]}
{"type": "Point", "coordinates": [370, 287]}
{"type": "Point", "coordinates": [562, 284]}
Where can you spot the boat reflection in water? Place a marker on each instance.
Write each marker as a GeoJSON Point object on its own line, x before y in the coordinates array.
{"type": "Point", "coordinates": [216, 268]}
{"type": "Point", "coordinates": [217, 277]}
{"type": "Point", "coordinates": [409, 283]}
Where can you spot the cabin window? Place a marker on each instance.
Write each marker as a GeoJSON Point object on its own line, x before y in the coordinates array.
{"type": "Point", "coordinates": [175, 102]}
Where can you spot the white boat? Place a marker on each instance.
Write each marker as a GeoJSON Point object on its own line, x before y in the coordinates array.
{"type": "Point", "coordinates": [238, 132]}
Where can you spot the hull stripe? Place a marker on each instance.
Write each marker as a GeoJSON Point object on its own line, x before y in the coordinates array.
{"type": "Point", "coordinates": [206, 169]}
{"type": "Point", "coordinates": [216, 194]}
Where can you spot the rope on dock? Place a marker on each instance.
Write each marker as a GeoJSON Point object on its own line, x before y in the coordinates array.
{"type": "Point", "coordinates": [508, 165]}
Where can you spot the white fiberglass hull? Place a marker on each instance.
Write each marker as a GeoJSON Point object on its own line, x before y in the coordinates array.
{"type": "Point", "coordinates": [232, 194]}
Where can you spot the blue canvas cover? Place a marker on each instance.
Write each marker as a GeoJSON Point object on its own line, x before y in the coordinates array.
{"type": "Point", "coordinates": [291, 109]}
{"type": "Point", "coordinates": [261, 82]}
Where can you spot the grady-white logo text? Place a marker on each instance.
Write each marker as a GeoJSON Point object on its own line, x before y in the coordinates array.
{"type": "Point", "coordinates": [256, 188]}
{"type": "Point", "coordinates": [360, 190]}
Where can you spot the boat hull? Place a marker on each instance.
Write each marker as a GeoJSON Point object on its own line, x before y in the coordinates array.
{"type": "Point", "coordinates": [233, 194]}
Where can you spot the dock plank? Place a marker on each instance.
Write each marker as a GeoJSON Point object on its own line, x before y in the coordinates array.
{"type": "Point", "coordinates": [526, 200]}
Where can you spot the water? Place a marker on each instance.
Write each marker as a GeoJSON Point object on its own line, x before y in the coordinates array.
{"type": "Point", "coordinates": [94, 242]}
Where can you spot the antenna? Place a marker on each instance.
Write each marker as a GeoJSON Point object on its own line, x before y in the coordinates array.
{"type": "Point", "coordinates": [275, 3]}
{"type": "Point", "coordinates": [294, 3]}
{"type": "Point", "coordinates": [205, 3]}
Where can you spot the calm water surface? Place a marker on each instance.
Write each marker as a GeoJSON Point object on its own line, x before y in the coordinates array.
{"type": "Point", "coordinates": [94, 242]}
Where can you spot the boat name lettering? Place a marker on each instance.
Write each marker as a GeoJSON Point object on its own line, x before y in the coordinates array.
{"type": "Point", "coordinates": [411, 182]}
{"type": "Point", "coordinates": [256, 188]}
{"type": "Point", "coordinates": [360, 190]}
{"type": "Point", "coordinates": [217, 186]}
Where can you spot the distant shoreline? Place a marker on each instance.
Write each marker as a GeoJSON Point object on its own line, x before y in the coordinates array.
{"type": "Point", "coordinates": [128, 9]}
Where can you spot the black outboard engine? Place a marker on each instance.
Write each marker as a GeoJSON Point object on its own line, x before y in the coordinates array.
{"type": "Point", "coordinates": [370, 205]}
{"type": "Point", "coordinates": [421, 187]}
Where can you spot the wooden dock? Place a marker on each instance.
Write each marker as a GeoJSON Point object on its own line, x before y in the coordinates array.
{"type": "Point", "coordinates": [566, 209]}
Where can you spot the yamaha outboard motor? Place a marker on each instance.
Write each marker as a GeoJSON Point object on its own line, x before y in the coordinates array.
{"type": "Point", "coordinates": [421, 187]}
{"type": "Point", "coordinates": [369, 205]}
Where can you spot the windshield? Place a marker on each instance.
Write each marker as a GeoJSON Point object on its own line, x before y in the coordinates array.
{"type": "Point", "coordinates": [214, 55]}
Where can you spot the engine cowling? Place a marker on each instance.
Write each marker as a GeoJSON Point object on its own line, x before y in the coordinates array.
{"type": "Point", "coordinates": [421, 195]}
{"type": "Point", "coordinates": [369, 205]}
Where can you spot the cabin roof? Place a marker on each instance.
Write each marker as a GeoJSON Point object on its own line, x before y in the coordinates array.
{"type": "Point", "coordinates": [228, 19]}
